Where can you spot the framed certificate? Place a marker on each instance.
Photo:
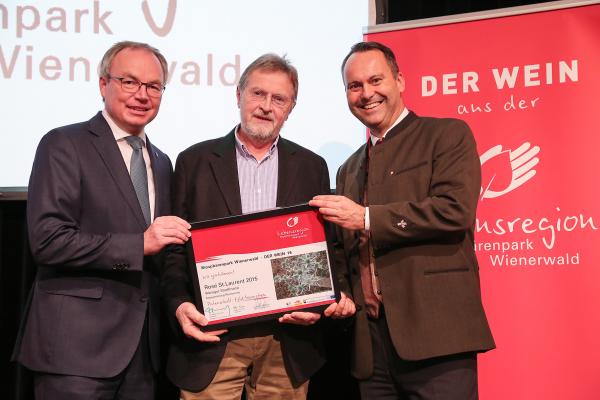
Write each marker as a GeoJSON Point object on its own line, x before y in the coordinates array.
{"type": "Point", "coordinates": [262, 265]}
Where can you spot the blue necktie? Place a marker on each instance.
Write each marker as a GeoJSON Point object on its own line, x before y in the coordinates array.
{"type": "Point", "coordinates": [139, 176]}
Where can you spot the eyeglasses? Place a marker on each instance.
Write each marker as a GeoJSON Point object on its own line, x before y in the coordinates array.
{"type": "Point", "coordinates": [132, 86]}
{"type": "Point", "coordinates": [277, 99]}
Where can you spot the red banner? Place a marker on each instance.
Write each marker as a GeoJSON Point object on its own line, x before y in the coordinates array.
{"type": "Point", "coordinates": [529, 87]}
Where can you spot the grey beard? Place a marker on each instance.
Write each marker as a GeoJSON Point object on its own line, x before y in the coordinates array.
{"type": "Point", "coordinates": [260, 137]}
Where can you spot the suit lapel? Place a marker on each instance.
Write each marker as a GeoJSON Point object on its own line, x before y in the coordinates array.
{"type": "Point", "coordinates": [357, 172]}
{"type": "Point", "coordinates": [106, 145]}
{"type": "Point", "coordinates": [402, 125]}
{"type": "Point", "coordinates": [357, 176]}
{"type": "Point", "coordinates": [161, 181]}
{"type": "Point", "coordinates": [224, 170]}
{"type": "Point", "coordinates": [354, 186]}
{"type": "Point", "coordinates": [287, 175]}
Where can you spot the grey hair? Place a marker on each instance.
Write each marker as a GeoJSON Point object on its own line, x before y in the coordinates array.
{"type": "Point", "coordinates": [271, 62]}
{"type": "Point", "coordinates": [109, 56]}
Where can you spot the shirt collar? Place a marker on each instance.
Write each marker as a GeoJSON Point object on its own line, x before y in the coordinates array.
{"type": "Point", "coordinates": [402, 115]}
{"type": "Point", "coordinates": [119, 133]}
{"type": "Point", "coordinates": [241, 147]}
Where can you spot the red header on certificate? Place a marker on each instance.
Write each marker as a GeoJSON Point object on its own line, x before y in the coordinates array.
{"type": "Point", "coordinates": [254, 236]}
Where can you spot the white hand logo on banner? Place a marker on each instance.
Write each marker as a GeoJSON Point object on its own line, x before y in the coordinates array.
{"type": "Point", "coordinates": [505, 170]}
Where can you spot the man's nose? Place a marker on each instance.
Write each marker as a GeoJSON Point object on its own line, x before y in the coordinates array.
{"type": "Point", "coordinates": [367, 92]}
{"type": "Point", "coordinates": [142, 92]}
{"type": "Point", "coordinates": [266, 103]}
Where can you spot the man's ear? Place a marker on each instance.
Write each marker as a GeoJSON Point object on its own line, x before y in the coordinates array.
{"type": "Point", "coordinates": [400, 82]}
{"type": "Point", "coordinates": [102, 83]}
{"type": "Point", "coordinates": [292, 107]}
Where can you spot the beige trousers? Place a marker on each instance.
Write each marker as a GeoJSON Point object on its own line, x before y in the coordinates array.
{"type": "Point", "coordinates": [255, 363]}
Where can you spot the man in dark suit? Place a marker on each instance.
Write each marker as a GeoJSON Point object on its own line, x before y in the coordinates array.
{"type": "Point", "coordinates": [250, 169]}
{"type": "Point", "coordinates": [91, 330]}
{"type": "Point", "coordinates": [406, 211]}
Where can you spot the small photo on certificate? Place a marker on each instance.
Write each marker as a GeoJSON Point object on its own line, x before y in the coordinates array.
{"type": "Point", "coordinates": [301, 275]}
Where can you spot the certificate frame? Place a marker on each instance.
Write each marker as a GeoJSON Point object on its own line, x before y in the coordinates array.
{"type": "Point", "coordinates": [258, 266]}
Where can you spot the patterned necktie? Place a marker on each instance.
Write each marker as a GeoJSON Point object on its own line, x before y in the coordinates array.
{"type": "Point", "coordinates": [139, 176]}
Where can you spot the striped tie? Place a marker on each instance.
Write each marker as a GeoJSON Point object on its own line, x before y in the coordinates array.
{"type": "Point", "coordinates": [139, 176]}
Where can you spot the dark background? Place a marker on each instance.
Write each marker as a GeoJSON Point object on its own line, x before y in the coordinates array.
{"type": "Point", "coordinates": [396, 10]}
{"type": "Point", "coordinates": [17, 269]}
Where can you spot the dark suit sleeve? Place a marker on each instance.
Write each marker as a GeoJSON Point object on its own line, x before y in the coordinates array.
{"type": "Point", "coordinates": [449, 208]}
{"type": "Point", "coordinates": [325, 184]}
{"type": "Point", "coordinates": [54, 205]}
{"type": "Point", "coordinates": [176, 287]}
{"type": "Point", "coordinates": [341, 263]}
